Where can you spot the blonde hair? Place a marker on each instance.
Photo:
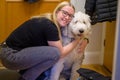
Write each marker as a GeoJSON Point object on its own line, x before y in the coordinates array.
{"type": "Point", "coordinates": [52, 16]}
{"type": "Point", "coordinates": [58, 7]}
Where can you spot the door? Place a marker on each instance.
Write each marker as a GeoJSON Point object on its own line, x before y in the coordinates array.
{"type": "Point", "coordinates": [109, 45]}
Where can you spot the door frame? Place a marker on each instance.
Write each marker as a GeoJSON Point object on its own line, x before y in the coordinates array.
{"type": "Point", "coordinates": [116, 64]}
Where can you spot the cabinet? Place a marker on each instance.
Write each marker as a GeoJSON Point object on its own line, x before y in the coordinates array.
{"type": "Point", "coordinates": [109, 45]}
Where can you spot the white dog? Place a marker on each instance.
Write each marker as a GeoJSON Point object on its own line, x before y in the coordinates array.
{"type": "Point", "coordinates": [66, 67]}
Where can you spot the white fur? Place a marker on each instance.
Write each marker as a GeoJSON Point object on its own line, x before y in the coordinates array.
{"type": "Point", "coordinates": [79, 27]}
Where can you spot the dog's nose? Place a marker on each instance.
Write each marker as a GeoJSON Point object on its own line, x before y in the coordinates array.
{"type": "Point", "coordinates": [81, 31]}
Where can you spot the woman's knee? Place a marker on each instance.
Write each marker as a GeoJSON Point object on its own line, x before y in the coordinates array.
{"type": "Point", "coordinates": [55, 52]}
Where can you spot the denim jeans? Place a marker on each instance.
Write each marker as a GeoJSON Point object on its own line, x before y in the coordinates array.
{"type": "Point", "coordinates": [35, 59]}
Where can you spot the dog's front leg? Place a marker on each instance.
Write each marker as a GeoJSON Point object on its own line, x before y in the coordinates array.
{"type": "Point", "coordinates": [56, 70]}
{"type": "Point", "coordinates": [74, 74]}
{"type": "Point", "coordinates": [76, 65]}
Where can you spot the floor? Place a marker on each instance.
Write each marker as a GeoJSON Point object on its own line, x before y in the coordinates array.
{"type": "Point", "coordinates": [98, 68]}
{"type": "Point", "coordinates": [6, 74]}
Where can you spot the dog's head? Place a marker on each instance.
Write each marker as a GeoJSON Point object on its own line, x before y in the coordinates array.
{"type": "Point", "coordinates": [80, 25]}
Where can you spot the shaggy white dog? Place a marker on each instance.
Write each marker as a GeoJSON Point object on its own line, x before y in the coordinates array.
{"type": "Point", "coordinates": [66, 67]}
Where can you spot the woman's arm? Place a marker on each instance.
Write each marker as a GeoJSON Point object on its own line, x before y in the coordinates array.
{"type": "Point", "coordinates": [66, 49]}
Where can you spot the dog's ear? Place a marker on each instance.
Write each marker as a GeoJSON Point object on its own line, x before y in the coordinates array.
{"type": "Point", "coordinates": [88, 21]}
{"type": "Point", "coordinates": [70, 34]}
{"type": "Point", "coordinates": [75, 20]}
{"type": "Point", "coordinates": [88, 24]}
{"type": "Point", "coordinates": [72, 22]}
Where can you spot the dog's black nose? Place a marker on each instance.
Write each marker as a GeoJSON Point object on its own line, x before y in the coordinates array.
{"type": "Point", "coordinates": [81, 31]}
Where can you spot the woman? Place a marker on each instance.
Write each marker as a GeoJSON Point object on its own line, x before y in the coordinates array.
{"type": "Point", "coordinates": [36, 44]}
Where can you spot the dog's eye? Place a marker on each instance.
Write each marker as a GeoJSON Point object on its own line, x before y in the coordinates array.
{"type": "Point", "coordinates": [75, 22]}
{"type": "Point", "coordinates": [84, 22]}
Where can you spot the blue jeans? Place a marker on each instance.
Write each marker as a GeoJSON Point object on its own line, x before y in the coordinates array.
{"type": "Point", "coordinates": [35, 59]}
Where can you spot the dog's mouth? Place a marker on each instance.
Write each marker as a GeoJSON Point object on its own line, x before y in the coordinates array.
{"type": "Point", "coordinates": [79, 35]}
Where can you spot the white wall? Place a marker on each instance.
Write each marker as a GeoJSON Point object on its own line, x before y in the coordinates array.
{"type": "Point", "coordinates": [79, 5]}
{"type": "Point", "coordinates": [94, 51]}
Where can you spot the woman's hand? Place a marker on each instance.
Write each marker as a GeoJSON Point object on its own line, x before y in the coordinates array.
{"type": "Point", "coordinates": [82, 46]}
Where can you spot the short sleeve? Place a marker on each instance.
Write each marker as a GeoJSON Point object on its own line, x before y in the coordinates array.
{"type": "Point", "coordinates": [51, 31]}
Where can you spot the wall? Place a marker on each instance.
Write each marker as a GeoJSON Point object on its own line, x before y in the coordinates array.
{"type": "Point", "coordinates": [13, 13]}
{"type": "Point", "coordinates": [2, 19]}
{"type": "Point", "coordinates": [94, 51]}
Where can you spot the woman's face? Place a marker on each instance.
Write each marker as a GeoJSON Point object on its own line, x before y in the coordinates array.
{"type": "Point", "coordinates": [65, 15]}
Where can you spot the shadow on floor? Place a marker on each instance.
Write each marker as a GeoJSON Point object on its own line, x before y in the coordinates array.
{"type": "Point", "coordinates": [6, 74]}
